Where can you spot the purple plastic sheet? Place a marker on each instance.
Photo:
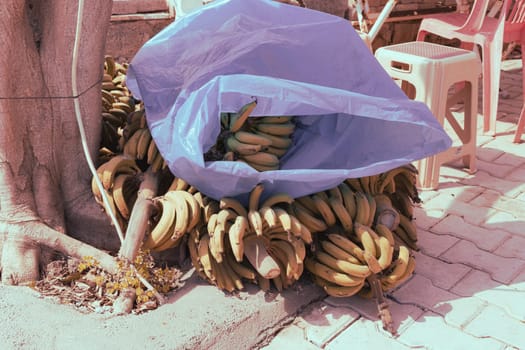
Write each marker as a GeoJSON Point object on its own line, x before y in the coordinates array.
{"type": "Point", "coordinates": [352, 119]}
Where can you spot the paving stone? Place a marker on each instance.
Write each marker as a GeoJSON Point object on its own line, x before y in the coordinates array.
{"type": "Point", "coordinates": [504, 187]}
{"type": "Point", "coordinates": [501, 269]}
{"type": "Point", "coordinates": [494, 168]}
{"type": "Point", "coordinates": [432, 332]}
{"type": "Point", "coordinates": [509, 159]}
{"type": "Point", "coordinates": [455, 309]}
{"type": "Point", "coordinates": [488, 154]}
{"type": "Point", "coordinates": [514, 247]}
{"type": "Point", "coordinates": [517, 175]}
{"type": "Point", "coordinates": [290, 335]}
{"type": "Point", "coordinates": [364, 335]}
{"type": "Point", "coordinates": [492, 199]}
{"type": "Point", "coordinates": [509, 297]}
{"type": "Point", "coordinates": [402, 314]}
{"type": "Point", "coordinates": [434, 244]}
{"type": "Point", "coordinates": [451, 205]}
{"type": "Point", "coordinates": [322, 322]}
{"type": "Point", "coordinates": [507, 222]}
{"type": "Point", "coordinates": [442, 274]}
{"type": "Point", "coordinates": [425, 219]}
{"type": "Point", "coordinates": [461, 193]}
{"type": "Point", "coordinates": [496, 323]}
{"type": "Point", "coordinates": [486, 239]}
{"type": "Point", "coordinates": [504, 142]}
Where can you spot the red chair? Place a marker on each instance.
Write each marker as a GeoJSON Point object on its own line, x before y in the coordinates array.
{"type": "Point", "coordinates": [476, 28]}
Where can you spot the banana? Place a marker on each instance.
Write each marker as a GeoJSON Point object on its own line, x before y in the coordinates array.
{"type": "Point", "coordinates": [225, 120]}
{"type": "Point", "coordinates": [284, 218]}
{"type": "Point", "coordinates": [275, 119]}
{"type": "Point", "coordinates": [343, 266]}
{"type": "Point", "coordinates": [244, 149]}
{"type": "Point", "coordinates": [386, 252]}
{"type": "Point", "coordinates": [384, 231]}
{"type": "Point", "coordinates": [119, 197]}
{"type": "Point", "coordinates": [237, 120]}
{"type": "Point", "coordinates": [130, 147]}
{"type": "Point", "coordinates": [224, 281]}
{"type": "Point", "coordinates": [348, 246]}
{"type": "Point", "coordinates": [264, 159]}
{"type": "Point", "coordinates": [193, 243]}
{"type": "Point", "coordinates": [233, 204]}
{"type": "Point", "coordinates": [158, 163]}
{"type": "Point", "coordinates": [308, 203]}
{"type": "Point", "coordinates": [402, 235]}
{"type": "Point", "coordinates": [364, 182]}
{"type": "Point", "coordinates": [372, 263]}
{"type": "Point", "coordinates": [212, 207]}
{"type": "Point", "coordinates": [403, 204]}
{"type": "Point", "coordinates": [232, 275]}
{"type": "Point", "coordinates": [217, 242]}
{"type": "Point", "coordinates": [335, 193]}
{"type": "Point", "coordinates": [306, 235]}
{"type": "Point", "coordinates": [255, 221]}
{"type": "Point", "coordinates": [241, 269]}
{"type": "Point", "coordinates": [285, 252]}
{"type": "Point", "coordinates": [364, 235]}
{"type": "Point", "coordinates": [152, 152]}
{"type": "Point", "coordinates": [354, 184]}
{"type": "Point", "coordinates": [282, 142]}
{"type": "Point", "coordinates": [255, 197]}
{"type": "Point", "coordinates": [337, 290]}
{"type": "Point", "coordinates": [409, 227]}
{"type": "Point", "coordinates": [119, 164]}
{"type": "Point", "coordinates": [262, 262]}
{"type": "Point", "coordinates": [277, 198]}
{"type": "Point", "coordinates": [193, 206]}
{"type": "Point", "coordinates": [269, 216]}
{"type": "Point", "coordinates": [331, 275]}
{"type": "Point", "coordinates": [385, 212]}
{"type": "Point", "coordinates": [372, 209]}
{"type": "Point", "coordinates": [178, 184]}
{"type": "Point", "coordinates": [312, 223]}
{"type": "Point", "coordinates": [246, 137]}
{"type": "Point", "coordinates": [278, 152]}
{"type": "Point", "coordinates": [400, 266]}
{"type": "Point", "coordinates": [324, 208]}
{"type": "Point", "coordinates": [264, 283]}
{"type": "Point", "coordinates": [386, 178]}
{"type": "Point", "coordinates": [236, 235]}
{"type": "Point", "coordinates": [283, 129]}
{"type": "Point", "coordinates": [211, 223]}
{"type": "Point", "coordinates": [341, 213]}
{"type": "Point", "coordinates": [373, 184]}
{"type": "Point", "coordinates": [338, 253]}
{"type": "Point", "coordinates": [260, 167]}
{"type": "Point", "coordinates": [182, 219]}
{"type": "Point", "coordinates": [164, 227]}
{"type": "Point", "coordinates": [362, 215]}
{"type": "Point", "coordinates": [348, 199]}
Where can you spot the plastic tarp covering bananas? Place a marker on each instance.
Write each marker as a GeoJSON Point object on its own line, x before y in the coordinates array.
{"type": "Point", "coordinates": [352, 120]}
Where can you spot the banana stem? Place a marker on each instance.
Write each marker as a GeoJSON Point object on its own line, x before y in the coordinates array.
{"type": "Point", "coordinates": [382, 304]}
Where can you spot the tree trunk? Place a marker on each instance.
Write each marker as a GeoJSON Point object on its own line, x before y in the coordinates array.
{"type": "Point", "coordinates": [44, 178]}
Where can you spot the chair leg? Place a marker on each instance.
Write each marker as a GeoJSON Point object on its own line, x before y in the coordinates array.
{"type": "Point", "coordinates": [520, 127]}
{"type": "Point", "coordinates": [491, 77]}
{"type": "Point", "coordinates": [421, 34]}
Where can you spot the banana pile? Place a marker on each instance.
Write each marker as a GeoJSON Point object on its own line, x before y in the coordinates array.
{"type": "Point", "coordinates": [362, 233]}
{"type": "Point", "coordinates": [258, 141]}
{"type": "Point", "coordinates": [262, 244]}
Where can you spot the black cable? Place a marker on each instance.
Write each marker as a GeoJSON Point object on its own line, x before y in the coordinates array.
{"type": "Point", "coordinates": [51, 97]}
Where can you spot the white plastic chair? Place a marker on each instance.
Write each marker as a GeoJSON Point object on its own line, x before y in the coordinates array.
{"type": "Point", "coordinates": [476, 28]}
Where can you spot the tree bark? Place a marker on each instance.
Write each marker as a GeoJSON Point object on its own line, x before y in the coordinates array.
{"type": "Point", "coordinates": [44, 178]}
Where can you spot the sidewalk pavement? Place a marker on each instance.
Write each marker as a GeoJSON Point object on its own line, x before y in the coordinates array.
{"type": "Point", "coordinates": [468, 290]}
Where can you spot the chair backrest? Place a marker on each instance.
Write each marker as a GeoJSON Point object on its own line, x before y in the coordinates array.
{"type": "Point", "coordinates": [517, 12]}
{"type": "Point", "coordinates": [476, 17]}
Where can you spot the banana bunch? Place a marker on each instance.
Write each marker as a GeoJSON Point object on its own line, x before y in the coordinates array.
{"type": "Point", "coordinates": [259, 141]}
{"type": "Point", "coordinates": [178, 213]}
{"type": "Point", "coordinates": [117, 102]}
{"type": "Point", "coordinates": [120, 179]}
{"type": "Point", "coordinates": [270, 238]}
{"type": "Point", "coordinates": [141, 146]}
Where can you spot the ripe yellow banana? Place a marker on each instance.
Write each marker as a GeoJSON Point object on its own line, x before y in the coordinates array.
{"type": "Point", "coordinates": [324, 208]}
{"type": "Point", "coordinates": [342, 214]}
{"type": "Point", "coordinates": [364, 235]}
{"type": "Point", "coordinates": [362, 215]}
{"type": "Point", "coordinates": [386, 252]}
{"type": "Point", "coordinates": [152, 152]}
{"type": "Point", "coordinates": [373, 184]}
{"type": "Point", "coordinates": [193, 243]}
{"type": "Point", "coordinates": [130, 147]}
{"type": "Point", "coordinates": [143, 143]}
{"type": "Point", "coordinates": [255, 197]}
{"type": "Point", "coordinates": [194, 209]}
{"type": "Point", "coordinates": [119, 196]}
{"type": "Point", "coordinates": [241, 269]}
{"type": "Point", "coordinates": [212, 222]}
{"type": "Point", "coordinates": [269, 216]}
{"type": "Point", "coordinates": [343, 266]}
{"type": "Point", "coordinates": [401, 234]}
{"type": "Point", "coordinates": [354, 184]}
{"type": "Point", "coordinates": [284, 129]}
{"type": "Point", "coordinates": [312, 223]}
{"type": "Point", "coordinates": [348, 199]}
{"type": "Point", "coordinates": [284, 219]}
{"type": "Point", "coordinates": [400, 265]}
{"type": "Point", "coordinates": [337, 252]}
{"type": "Point", "coordinates": [247, 137]}
{"type": "Point", "coordinates": [409, 227]}
{"type": "Point", "coordinates": [205, 257]}
{"type": "Point", "coordinates": [233, 204]}
{"type": "Point", "coordinates": [236, 236]}
{"type": "Point", "coordinates": [384, 231]}
{"type": "Point", "coordinates": [285, 252]}
{"type": "Point", "coordinates": [337, 290]}
{"type": "Point", "coordinates": [372, 209]}
{"type": "Point", "coordinates": [308, 203]}
{"type": "Point", "coordinates": [178, 184]}
{"type": "Point", "coordinates": [364, 182]}
{"type": "Point", "coordinates": [119, 164]}
{"type": "Point", "coordinates": [163, 230]}
{"type": "Point", "coordinates": [232, 275]}
{"type": "Point", "coordinates": [331, 275]}
{"type": "Point", "coordinates": [255, 221]}
{"type": "Point", "coordinates": [182, 216]}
